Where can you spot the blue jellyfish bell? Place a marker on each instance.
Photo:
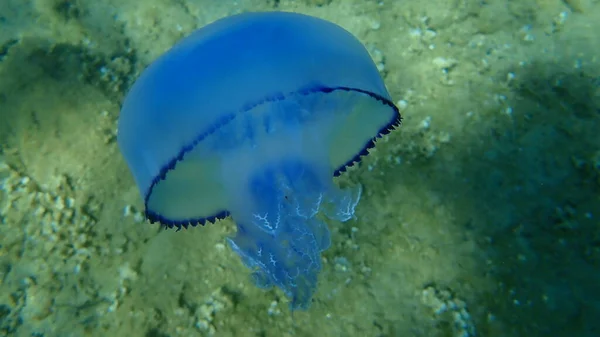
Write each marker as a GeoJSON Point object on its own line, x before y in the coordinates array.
{"type": "Point", "coordinates": [252, 116]}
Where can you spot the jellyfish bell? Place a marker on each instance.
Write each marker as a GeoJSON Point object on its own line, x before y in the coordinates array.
{"type": "Point", "coordinates": [251, 116]}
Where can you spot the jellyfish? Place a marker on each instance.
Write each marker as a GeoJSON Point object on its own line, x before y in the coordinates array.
{"type": "Point", "coordinates": [251, 117]}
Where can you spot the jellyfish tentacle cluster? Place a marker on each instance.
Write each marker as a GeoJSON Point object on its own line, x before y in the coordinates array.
{"type": "Point", "coordinates": [282, 239]}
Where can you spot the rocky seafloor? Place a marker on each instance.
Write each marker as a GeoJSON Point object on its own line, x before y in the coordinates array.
{"type": "Point", "coordinates": [480, 215]}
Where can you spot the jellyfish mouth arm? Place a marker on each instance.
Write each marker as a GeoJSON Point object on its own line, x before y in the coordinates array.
{"type": "Point", "coordinates": [341, 204]}
{"type": "Point", "coordinates": [280, 236]}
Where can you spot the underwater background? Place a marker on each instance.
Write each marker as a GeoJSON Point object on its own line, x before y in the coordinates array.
{"type": "Point", "coordinates": [480, 215]}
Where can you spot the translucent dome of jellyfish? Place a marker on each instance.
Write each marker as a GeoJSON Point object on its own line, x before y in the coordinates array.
{"type": "Point", "coordinates": [252, 116]}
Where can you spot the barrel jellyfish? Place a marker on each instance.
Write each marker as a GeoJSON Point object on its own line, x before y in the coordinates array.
{"type": "Point", "coordinates": [252, 116]}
